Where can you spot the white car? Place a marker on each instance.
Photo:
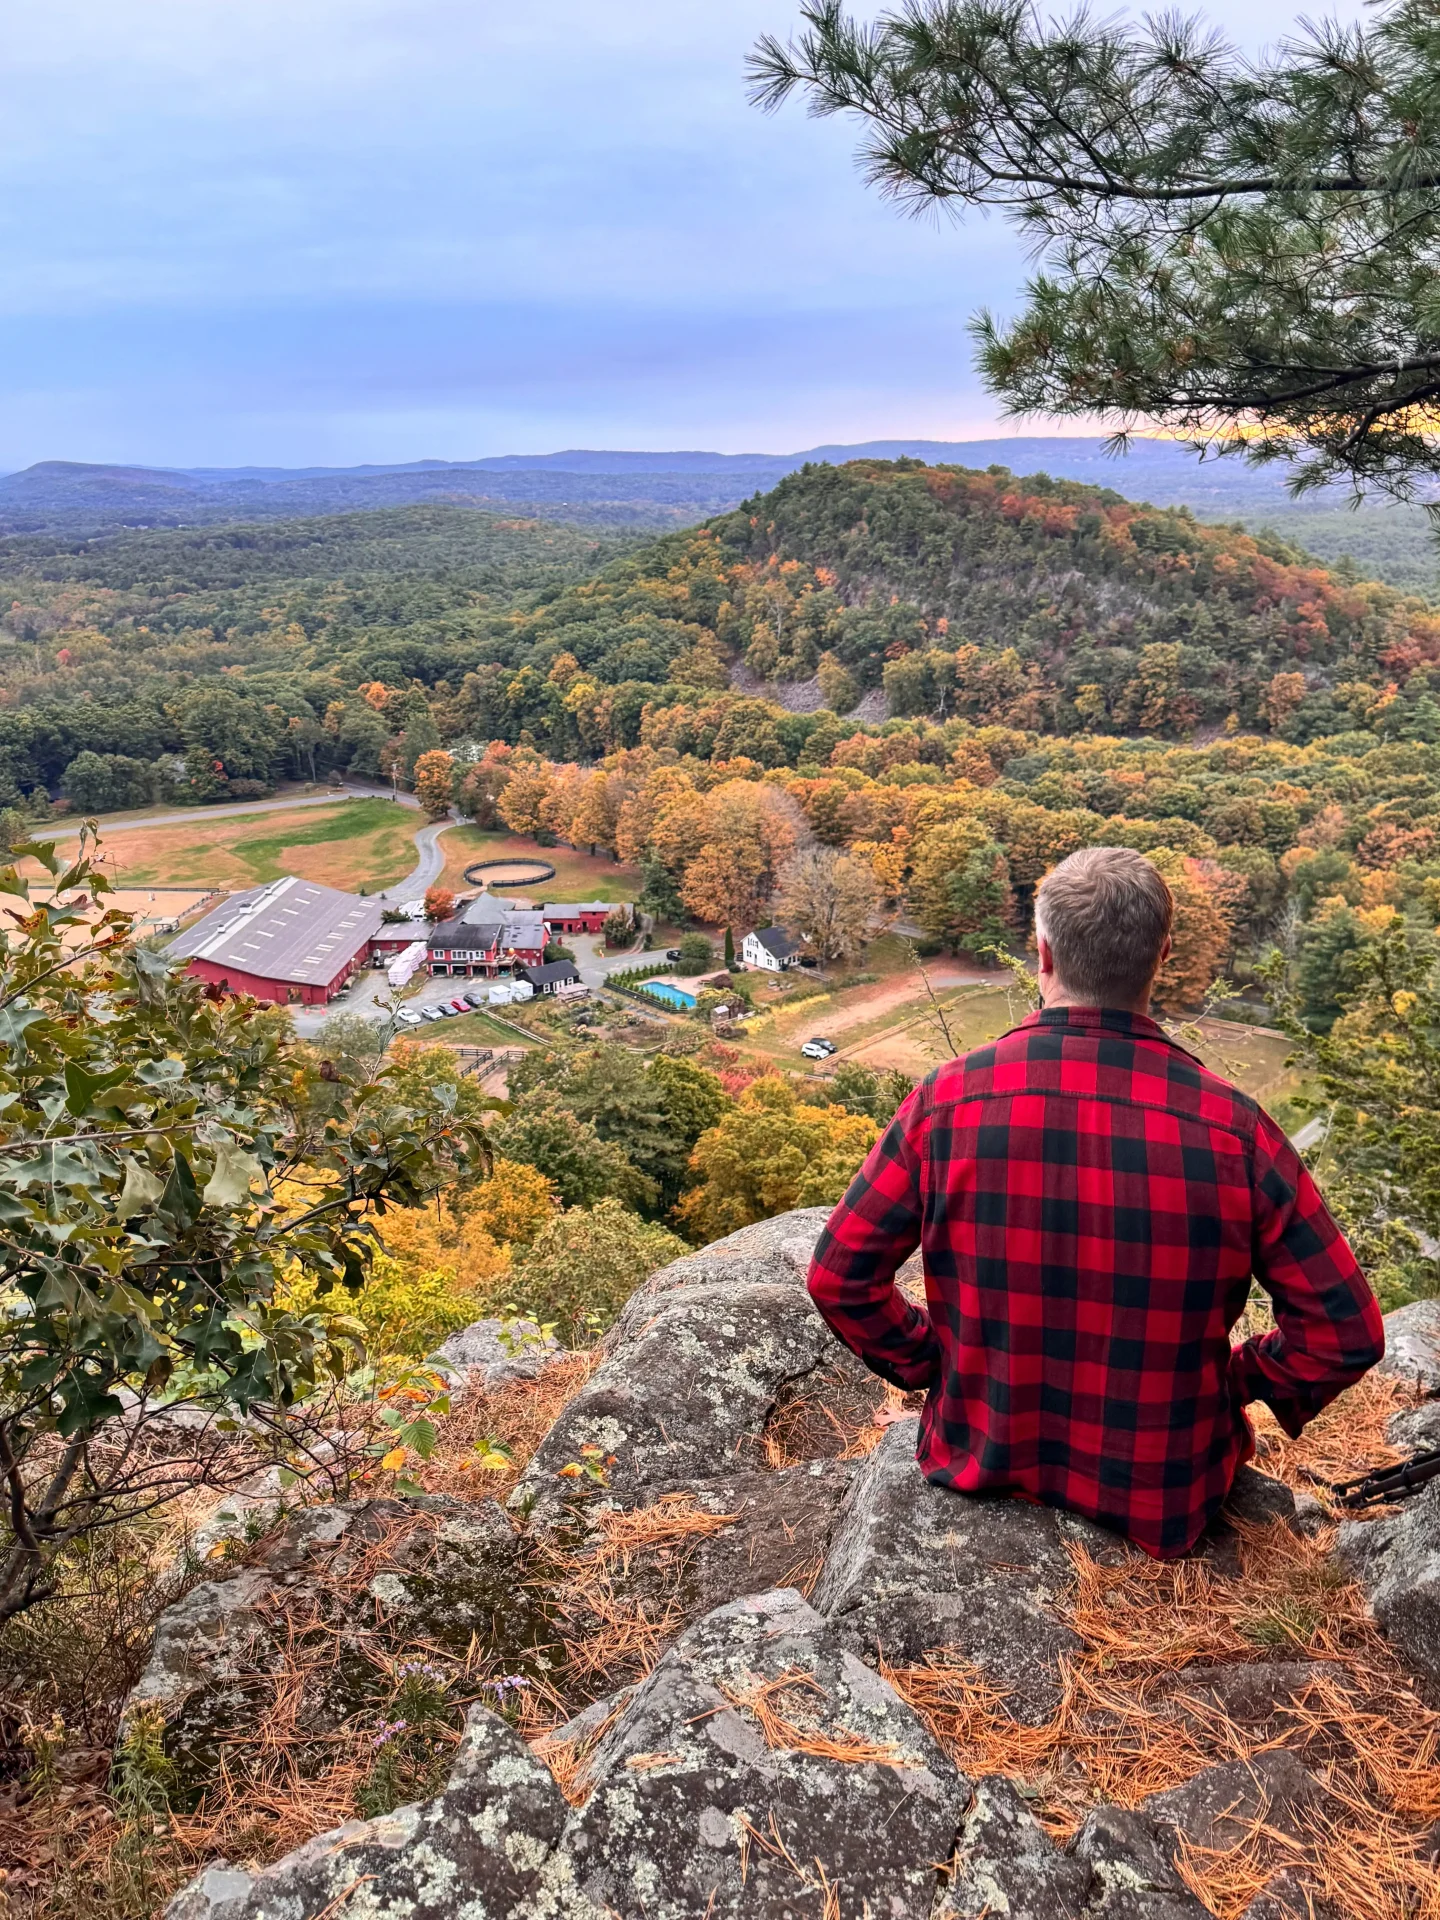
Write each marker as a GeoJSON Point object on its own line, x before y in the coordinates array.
{"type": "Point", "coordinates": [408, 1017]}
{"type": "Point", "coordinates": [433, 1013]}
{"type": "Point", "coordinates": [818, 1049]}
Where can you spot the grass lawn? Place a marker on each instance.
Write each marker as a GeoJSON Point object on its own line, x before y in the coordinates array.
{"type": "Point", "coordinates": [578, 876]}
{"type": "Point", "coordinates": [905, 1033]}
{"type": "Point", "coordinates": [471, 1030]}
{"type": "Point", "coordinates": [354, 844]}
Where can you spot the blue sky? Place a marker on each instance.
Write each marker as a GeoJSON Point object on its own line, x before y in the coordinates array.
{"type": "Point", "coordinates": [332, 231]}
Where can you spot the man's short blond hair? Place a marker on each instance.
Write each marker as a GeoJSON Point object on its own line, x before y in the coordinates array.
{"type": "Point", "coordinates": [1105, 913]}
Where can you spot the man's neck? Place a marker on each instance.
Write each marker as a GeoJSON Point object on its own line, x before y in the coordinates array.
{"type": "Point", "coordinates": [1054, 998]}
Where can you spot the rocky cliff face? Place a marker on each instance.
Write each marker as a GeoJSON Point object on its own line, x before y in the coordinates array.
{"type": "Point", "coordinates": [750, 1751]}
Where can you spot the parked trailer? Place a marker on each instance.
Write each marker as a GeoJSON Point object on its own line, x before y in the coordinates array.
{"type": "Point", "coordinates": [403, 967]}
{"type": "Point", "coordinates": [522, 990]}
{"type": "Point", "coordinates": [501, 994]}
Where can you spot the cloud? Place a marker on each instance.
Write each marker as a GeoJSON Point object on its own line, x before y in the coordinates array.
{"type": "Point", "coordinates": [236, 232]}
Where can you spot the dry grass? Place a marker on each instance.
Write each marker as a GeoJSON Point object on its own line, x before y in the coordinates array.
{"type": "Point", "coordinates": [1367, 1867]}
{"type": "Point", "coordinates": [1135, 1719]}
{"type": "Point", "coordinates": [834, 1418]}
{"type": "Point", "coordinates": [353, 843]}
{"type": "Point", "coordinates": [619, 1601]}
{"type": "Point", "coordinates": [518, 1415]}
{"type": "Point", "coordinates": [1345, 1441]}
{"type": "Point", "coordinates": [567, 1759]}
{"type": "Point", "coordinates": [279, 1781]}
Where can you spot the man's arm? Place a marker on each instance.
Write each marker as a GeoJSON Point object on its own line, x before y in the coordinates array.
{"type": "Point", "coordinates": [1328, 1329]}
{"type": "Point", "coordinates": [866, 1240]}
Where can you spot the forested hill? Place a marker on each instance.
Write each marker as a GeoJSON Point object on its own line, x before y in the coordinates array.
{"type": "Point", "coordinates": [1058, 606]}
{"type": "Point", "coordinates": [907, 590]}
{"type": "Point", "coordinates": [842, 595]}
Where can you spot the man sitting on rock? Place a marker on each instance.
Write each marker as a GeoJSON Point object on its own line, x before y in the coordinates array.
{"type": "Point", "coordinates": [1090, 1203]}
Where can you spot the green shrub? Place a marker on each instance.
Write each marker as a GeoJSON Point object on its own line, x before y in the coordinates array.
{"type": "Point", "coordinates": [586, 1263]}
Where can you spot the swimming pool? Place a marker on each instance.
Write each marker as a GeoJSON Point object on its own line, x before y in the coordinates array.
{"type": "Point", "coordinates": [677, 996]}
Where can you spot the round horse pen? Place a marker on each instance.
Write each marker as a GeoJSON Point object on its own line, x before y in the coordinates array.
{"type": "Point", "coordinates": [509, 873]}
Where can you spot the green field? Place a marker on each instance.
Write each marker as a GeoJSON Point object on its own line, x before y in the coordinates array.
{"type": "Point", "coordinates": [354, 844]}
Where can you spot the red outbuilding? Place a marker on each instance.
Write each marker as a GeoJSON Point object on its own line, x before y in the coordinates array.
{"type": "Point", "coordinates": [580, 916]}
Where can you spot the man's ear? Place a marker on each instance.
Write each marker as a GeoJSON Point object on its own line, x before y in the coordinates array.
{"type": "Point", "coordinates": [1046, 958]}
{"type": "Point", "coordinates": [1166, 951]}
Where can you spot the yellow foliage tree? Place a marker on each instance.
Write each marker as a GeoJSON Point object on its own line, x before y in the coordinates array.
{"type": "Point", "coordinates": [521, 802]}
{"type": "Point", "coordinates": [749, 831]}
{"type": "Point", "coordinates": [435, 782]}
{"type": "Point", "coordinates": [513, 1204]}
{"type": "Point", "coordinates": [772, 1152]}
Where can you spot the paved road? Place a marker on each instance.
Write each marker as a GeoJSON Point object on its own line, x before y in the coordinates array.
{"type": "Point", "coordinates": [427, 869]}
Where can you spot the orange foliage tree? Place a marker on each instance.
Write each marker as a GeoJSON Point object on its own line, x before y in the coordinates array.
{"type": "Point", "coordinates": [435, 782]}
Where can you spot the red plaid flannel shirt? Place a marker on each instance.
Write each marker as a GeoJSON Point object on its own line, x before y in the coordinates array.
{"type": "Point", "coordinates": [1090, 1203]}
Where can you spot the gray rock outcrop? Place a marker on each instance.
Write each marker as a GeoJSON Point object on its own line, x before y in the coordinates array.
{"type": "Point", "coordinates": [1412, 1345]}
{"type": "Point", "coordinates": [758, 1763]}
{"type": "Point", "coordinates": [475, 1851]}
{"type": "Point", "coordinates": [1415, 1429]}
{"type": "Point", "coordinates": [1007, 1864]}
{"type": "Point", "coordinates": [776, 1251]}
{"type": "Point", "coordinates": [1396, 1559]}
{"type": "Point", "coordinates": [782, 1521]}
{"type": "Point", "coordinates": [1132, 1870]}
{"type": "Point", "coordinates": [693, 1368]}
{"type": "Point", "coordinates": [913, 1567]}
{"type": "Point", "coordinates": [763, 1761]}
{"type": "Point", "coordinates": [449, 1570]}
{"type": "Point", "coordinates": [704, 1804]}
{"type": "Point", "coordinates": [489, 1353]}
{"type": "Point", "coordinates": [1219, 1807]}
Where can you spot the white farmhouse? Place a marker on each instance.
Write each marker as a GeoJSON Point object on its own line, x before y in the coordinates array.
{"type": "Point", "coordinates": [771, 948]}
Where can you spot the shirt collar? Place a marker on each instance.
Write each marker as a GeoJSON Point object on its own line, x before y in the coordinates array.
{"type": "Point", "coordinates": [1102, 1019]}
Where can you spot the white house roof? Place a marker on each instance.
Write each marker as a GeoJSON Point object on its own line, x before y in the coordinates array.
{"type": "Point", "coordinates": [290, 930]}
{"type": "Point", "coordinates": [775, 940]}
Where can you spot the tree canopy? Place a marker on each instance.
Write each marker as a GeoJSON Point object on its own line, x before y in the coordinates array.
{"type": "Point", "coordinates": [1243, 250]}
{"type": "Point", "coordinates": [174, 1165]}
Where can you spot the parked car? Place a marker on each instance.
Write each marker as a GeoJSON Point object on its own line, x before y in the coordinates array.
{"type": "Point", "coordinates": [460, 1004]}
{"type": "Point", "coordinates": [433, 1013]}
{"type": "Point", "coordinates": [819, 1049]}
{"type": "Point", "coordinates": [408, 1017]}
{"type": "Point", "coordinates": [473, 999]}
{"type": "Point", "coordinates": [672, 953]}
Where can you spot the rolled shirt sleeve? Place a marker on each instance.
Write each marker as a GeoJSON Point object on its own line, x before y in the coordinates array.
{"type": "Point", "coordinates": [866, 1240]}
{"type": "Point", "coordinates": [1328, 1327]}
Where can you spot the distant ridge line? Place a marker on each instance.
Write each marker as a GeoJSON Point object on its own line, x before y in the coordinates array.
{"type": "Point", "coordinates": [612, 487]}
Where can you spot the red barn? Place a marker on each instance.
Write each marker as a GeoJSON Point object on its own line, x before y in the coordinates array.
{"type": "Point", "coordinates": [491, 936]}
{"type": "Point", "coordinates": [290, 942]}
{"type": "Point", "coordinates": [580, 916]}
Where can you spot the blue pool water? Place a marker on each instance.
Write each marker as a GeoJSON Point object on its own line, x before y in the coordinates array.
{"type": "Point", "coordinates": [677, 996]}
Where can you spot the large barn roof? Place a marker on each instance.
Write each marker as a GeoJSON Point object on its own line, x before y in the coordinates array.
{"type": "Point", "coordinates": [290, 930]}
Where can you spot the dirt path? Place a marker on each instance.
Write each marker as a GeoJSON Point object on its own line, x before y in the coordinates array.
{"type": "Point", "coordinates": [860, 1005]}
